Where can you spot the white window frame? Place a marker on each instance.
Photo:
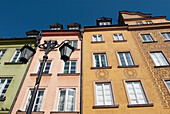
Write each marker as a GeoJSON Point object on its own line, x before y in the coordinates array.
{"type": "Point", "coordinates": [136, 94]}
{"type": "Point", "coordinates": [149, 22]}
{"type": "Point", "coordinates": [125, 59]}
{"type": "Point", "coordinates": [100, 61]}
{"type": "Point", "coordinates": [157, 60]}
{"type": "Point", "coordinates": [2, 86]}
{"type": "Point", "coordinates": [99, 38]}
{"type": "Point", "coordinates": [146, 37]}
{"type": "Point", "coordinates": [104, 23]}
{"type": "Point", "coordinates": [166, 36]}
{"type": "Point", "coordinates": [66, 97]}
{"type": "Point", "coordinates": [104, 94]}
{"type": "Point", "coordinates": [73, 28]}
{"type": "Point", "coordinates": [139, 23]}
{"type": "Point", "coordinates": [119, 37]}
{"type": "Point", "coordinates": [29, 98]}
{"type": "Point", "coordinates": [44, 66]}
{"type": "Point", "coordinates": [2, 52]}
{"type": "Point", "coordinates": [69, 70]}
{"type": "Point", "coordinates": [71, 42]}
{"type": "Point", "coordinates": [17, 60]}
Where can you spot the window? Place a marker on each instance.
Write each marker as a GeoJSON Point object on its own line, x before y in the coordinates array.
{"type": "Point", "coordinates": [73, 44]}
{"type": "Point", "coordinates": [4, 84]}
{"type": "Point", "coordinates": [159, 59]}
{"type": "Point", "coordinates": [125, 59]}
{"type": "Point", "coordinates": [74, 28]}
{"type": "Point", "coordinates": [16, 56]}
{"type": "Point", "coordinates": [46, 67]}
{"type": "Point", "coordinates": [66, 100]}
{"type": "Point", "coordinates": [149, 22]}
{"type": "Point", "coordinates": [55, 28]}
{"type": "Point", "coordinates": [168, 84]}
{"type": "Point", "coordinates": [2, 53]}
{"type": "Point", "coordinates": [97, 38]}
{"type": "Point", "coordinates": [70, 67]}
{"type": "Point", "coordinates": [37, 102]}
{"type": "Point", "coordinates": [135, 92]}
{"type": "Point", "coordinates": [139, 23]}
{"type": "Point", "coordinates": [166, 36]}
{"type": "Point", "coordinates": [100, 60]}
{"type": "Point", "coordinates": [118, 37]}
{"type": "Point", "coordinates": [104, 94]}
{"type": "Point", "coordinates": [147, 38]}
{"type": "Point", "coordinates": [104, 23]}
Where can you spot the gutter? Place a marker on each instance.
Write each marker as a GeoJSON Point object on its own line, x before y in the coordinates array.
{"type": "Point", "coordinates": [81, 76]}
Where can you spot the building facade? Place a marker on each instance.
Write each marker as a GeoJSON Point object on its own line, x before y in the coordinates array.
{"type": "Point", "coordinates": [59, 90]}
{"type": "Point", "coordinates": [126, 67]}
{"type": "Point", "coordinates": [12, 71]}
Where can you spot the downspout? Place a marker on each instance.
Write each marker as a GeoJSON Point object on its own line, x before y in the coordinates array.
{"type": "Point", "coordinates": [12, 106]}
{"type": "Point", "coordinates": [81, 77]}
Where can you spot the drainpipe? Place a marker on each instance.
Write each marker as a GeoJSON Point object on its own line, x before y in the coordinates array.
{"type": "Point", "coordinates": [81, 77]}
{"type": "Point", "coordinates": [12, 106]}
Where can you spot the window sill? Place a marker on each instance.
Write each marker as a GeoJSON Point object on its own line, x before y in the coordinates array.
{"type": "Point", "coordinates": [97, 42]}
{"type": "Point", "coordinates": [108, 67]}
{"type": "Point", "coordinates": [167, 41]}
{"type": "Point", "coordinates": [128, 66]}
{"type": "Point", "coordinates": [57, 112]}
{"type": "Point", "coordinates": [150, 42]}
{"type": "Point", "coordinates": [119, 40]}
{"type": "Point", "coordinates": [68, 74]}
{"type": "Point", "coordinates": [24, 112]}
{"type": "Point", "coordinates": [141, 105]}
{"type": "Point", "coordinates": [161, 66]}
{"type": "Point", "coordinates": [12, 63]}
{"type": "Point", "coordinates": [106, 106]}
{"type": "Point", "coordinates": [2, 98]}
{"type": "Point", "coordinates": [36, 74]}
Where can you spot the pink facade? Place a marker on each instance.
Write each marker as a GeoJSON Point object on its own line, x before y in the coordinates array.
{"type": "Point", "coordinates": [56, 79]}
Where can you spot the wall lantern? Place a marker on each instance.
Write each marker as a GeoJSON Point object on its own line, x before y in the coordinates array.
{"type": "Point", "coordinates": [66, 50]}
{"type": "Point", "coordinates": [26, 53]}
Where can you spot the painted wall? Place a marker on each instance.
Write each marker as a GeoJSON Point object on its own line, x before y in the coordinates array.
{"type": "Point", "coordinates": [11, 70]}
{"type": "Point", "coordinates": [52, 82]}
{"type": "Point", "coordinates": [144, 71]}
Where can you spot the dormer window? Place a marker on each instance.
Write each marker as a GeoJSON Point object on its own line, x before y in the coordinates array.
{"type": "Point", "coordinates": [55, 28]}
{"type": "Point", "coordinates": [104, 23]}
{"type": "Point", "coordinates": [149, 22]}
{"type": "Point", "coordinates": [139, 23]}
{"type": "Point", "coordinates": [73, 28]}
{"type": "Point", "coordinates": [32, 33]}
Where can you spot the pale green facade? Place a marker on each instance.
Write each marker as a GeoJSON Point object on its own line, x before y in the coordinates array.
{"type": "Point", "coordinates": [14, 70]}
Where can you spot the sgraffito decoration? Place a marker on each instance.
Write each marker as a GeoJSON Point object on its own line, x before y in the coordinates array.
{"type": "Point", "coordinates": [130, 73]}
{"type": "Point", "coordinates": [102, 74]}
{"type": "Point", "coordinates": [157, 74]}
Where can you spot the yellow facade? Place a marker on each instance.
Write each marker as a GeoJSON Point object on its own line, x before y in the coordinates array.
{"type": "Point", "coordinates": [143, 70]}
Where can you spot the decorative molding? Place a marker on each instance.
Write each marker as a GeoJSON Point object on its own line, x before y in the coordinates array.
{"type": "Point", "coordinates": [102, 74]}
{"type": "Point", "coordinates": [130, 73]}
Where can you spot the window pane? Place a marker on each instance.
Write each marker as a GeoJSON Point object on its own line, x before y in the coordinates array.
{"type": "Point", "coordinates": [104, 94]}
{"type": "Point", "coordinates": [122, 59]}
{"type": "Point", "coordinates": [159, 59]}
{"type": "Point", "coordinates": [70, 100]}
{"type": "Point", "coordinates": [61, 100]}
{"type": "Point", "coordinates": [2, 53]}
{"type": "Point", "coordinates": [97, 64]}
{"type": "Point", "coordinates": [16, 56]}
{"type": "Point", "coordinates": [168, 83]}
{"type": "Point", "coordinates": [136, 93]}
{"type": "Point", "coordinates": [47, 67]}
{"type": "Point", "coordinates": [4, 84]}
{"type": "Point", "coordinates": [129, 59]}
{"type": "Point", "coordinates": [147, 38]}
{"type": "Point", "coordinates": [70, 67]}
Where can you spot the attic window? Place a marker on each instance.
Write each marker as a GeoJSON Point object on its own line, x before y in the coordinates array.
{"type": "Point", "coordinates": [73, 28]}
{"type": "Point", "coordinates": [149, 22]}
{"type": "Point", "coordinates": [55, 28]}
{"type": "Point", "coordinates": [104, 23]}
{"type": "Point", "coordinates": [139, 23]}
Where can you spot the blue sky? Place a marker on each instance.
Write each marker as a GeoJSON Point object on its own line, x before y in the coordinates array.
{"type": "Point", "coordinates": [19, 16]}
